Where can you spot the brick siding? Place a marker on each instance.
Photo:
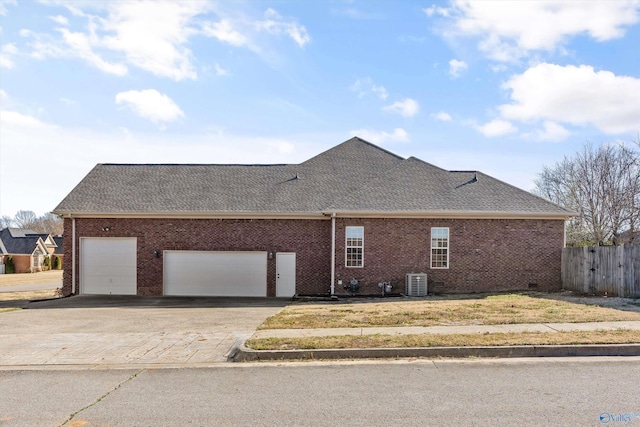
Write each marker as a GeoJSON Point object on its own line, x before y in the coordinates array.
{"type": "Point", "coordinates": [485, 255]}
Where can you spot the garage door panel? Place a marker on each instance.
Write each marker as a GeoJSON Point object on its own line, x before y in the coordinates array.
{"type": "Point", "coordinates": [108, 266]}
{"type": "Point", "coordinates": [193, 273]}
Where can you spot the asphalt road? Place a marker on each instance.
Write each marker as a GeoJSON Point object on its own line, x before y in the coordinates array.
{"type": "Point", "coordinates": [527, 392]}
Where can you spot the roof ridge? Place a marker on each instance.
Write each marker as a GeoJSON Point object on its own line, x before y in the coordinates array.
{"type": "Point", "coordinates": [196, 164]}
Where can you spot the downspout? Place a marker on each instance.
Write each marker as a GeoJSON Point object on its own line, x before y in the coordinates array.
{"type": "Point", "coordinates": [333, 254]}
{"type": "Point", "coordinates": [73, 254]}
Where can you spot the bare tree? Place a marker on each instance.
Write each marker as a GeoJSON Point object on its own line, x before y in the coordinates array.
{"type": "Point", "coordinates": [5, 221]}
{"type": "Point", "coordinates": [45, 224]}
{"type": "Point", "coordinates": [25, 219]}
{"type": "Point", "coordinates": [50, 224]}
{"type": "Point", "coordinates": [602, 185]}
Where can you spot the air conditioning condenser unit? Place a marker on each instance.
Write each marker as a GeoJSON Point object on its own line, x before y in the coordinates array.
{"type": "Point", "coordinates": [416, 284]}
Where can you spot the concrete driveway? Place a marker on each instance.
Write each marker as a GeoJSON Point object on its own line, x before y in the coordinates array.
{"type": "Point", "coordinates": [137, 331]}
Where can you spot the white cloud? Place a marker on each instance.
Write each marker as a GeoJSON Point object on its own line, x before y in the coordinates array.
{"type": "Point", "coordinates": [220, 71]}
{"type": "Point", "coordinates": [153, 35]}
{"type": "Point", "coordinates": [442, 116]}
{"type": "Point", "coordinates": [511, 30]}
{"type": "Point", "coordinates": [67, 101]}
{"type": "Point", "coordinates": [224, 32]}
{"type": "Point", "coordinates": [436, 10]}
{"type": "Point", "coordinates": [552, 131]}
{"type": "Point", "coordinates": [456, 68]}
{"type": "Point", "coordinates": [81, 45]}
{"type": "Point", "coordinates": [3, 8]}
{"type": "Point", "coordinates": [60, 19]}
{"type": "Point", "coordinates": [6, 51]}
{"type": "Point", "coordinates": [363, 86]}
{"type": "Point", "coordinates": [575, 95]}
{"type": "Point", "coordinates": [151, 105]}
{"type": "Point", "coordinates": [380, 137]}
{"type": "Point", "coordinates": [407, 107]}
{"type": "Point", "coordinates": [496, 127]}
{"type": "Point", "coordinates": [275, 24]}
{"type": "Point", "coordinates": [381, 91]}
{"type": "Point", "coordinates": [15, 119]}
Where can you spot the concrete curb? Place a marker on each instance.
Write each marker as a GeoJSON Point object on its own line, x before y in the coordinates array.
{"type": "Point", "coordinates": [244, 354]}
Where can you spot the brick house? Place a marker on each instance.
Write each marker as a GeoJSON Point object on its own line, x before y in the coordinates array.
{"type": "Point", "coordinates": [27, 249]}
{"type": "Point", "coordinates": [355, 211]}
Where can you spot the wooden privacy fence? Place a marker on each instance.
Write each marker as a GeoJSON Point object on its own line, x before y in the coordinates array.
{"type": "Point", "coordinates": [614, 270]}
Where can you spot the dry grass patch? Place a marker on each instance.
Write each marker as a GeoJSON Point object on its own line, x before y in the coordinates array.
{"type": "Point", "coordinates": [481, 310]}
{"type": "Point", "coordinates": [29, 295]}
{"type": "Point", "coordinates": [28, 278]}
{"type": "Point", "coordinates": [454, 340]}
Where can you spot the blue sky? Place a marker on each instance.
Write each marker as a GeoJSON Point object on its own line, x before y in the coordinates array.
{"type": "Point", "coordinates": [501, 87]}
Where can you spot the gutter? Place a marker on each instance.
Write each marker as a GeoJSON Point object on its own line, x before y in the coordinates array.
{"type": "Point", "coordinates": [333, 254]}
{"type": "Point", "coordinates": [73, 254]}
{"type": "Point", "coordinates": [454, 214]}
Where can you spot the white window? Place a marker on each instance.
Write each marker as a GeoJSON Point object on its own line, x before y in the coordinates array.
{"type": "Point", "coordinates": [440, 247]}
{"type": "Point", "coordinates": [355, 246]}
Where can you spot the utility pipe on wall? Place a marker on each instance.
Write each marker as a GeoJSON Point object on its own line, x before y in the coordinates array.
{"type": "Point", "coordinates": [333, 253]}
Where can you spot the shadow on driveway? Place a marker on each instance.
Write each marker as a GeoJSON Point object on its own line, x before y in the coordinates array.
{"type": "Point", "coordinates": [123, 301]}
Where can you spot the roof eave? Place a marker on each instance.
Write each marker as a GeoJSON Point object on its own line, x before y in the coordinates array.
{"type": "Point", "coordinates": [194, 215]}
{"type": "Point", "coordinates": [452, 214]}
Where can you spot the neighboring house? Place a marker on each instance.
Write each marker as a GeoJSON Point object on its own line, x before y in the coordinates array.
{"type": "Point", "coordinates": [27, 248]}
{"type": "Point", "coordinates": [355, 211]}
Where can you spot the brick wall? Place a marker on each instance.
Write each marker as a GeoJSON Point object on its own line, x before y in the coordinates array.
{"type": "Point", "coordinates": [309, 239]}
{"type": "Point", "coordinates": [485, 255]}
{"type": "Point", "coordinates": [22, 263]}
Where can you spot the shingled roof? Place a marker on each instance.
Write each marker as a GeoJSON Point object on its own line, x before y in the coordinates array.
{"type": "Point", "coordinates": [353, 177]}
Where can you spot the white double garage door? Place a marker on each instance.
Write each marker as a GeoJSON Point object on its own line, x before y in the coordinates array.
{"type": "Point", "coordinates": [110, 266]}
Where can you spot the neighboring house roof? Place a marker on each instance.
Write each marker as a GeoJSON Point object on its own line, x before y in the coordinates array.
{"type": "Point", "coordinates": [353, 177]}
{"type": "Point", "coordinates": [59, 245]}
{"type": "Point", "coordinates": [20, 242]}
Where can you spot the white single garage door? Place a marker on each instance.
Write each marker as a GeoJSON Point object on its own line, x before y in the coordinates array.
{"type": "Point", "coordinates": [108, 266]}
{"type": "Point", "coordinates": [221, 274]}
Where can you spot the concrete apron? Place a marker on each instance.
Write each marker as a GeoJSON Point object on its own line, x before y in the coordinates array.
{"type": "Point", "coordinates": [103, 331]}
{"type": "Point", "coordinates": [158, 348]}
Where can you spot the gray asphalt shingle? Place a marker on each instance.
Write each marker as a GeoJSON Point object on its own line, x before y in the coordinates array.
{"type": "Point", "coordinates": [353, 176]}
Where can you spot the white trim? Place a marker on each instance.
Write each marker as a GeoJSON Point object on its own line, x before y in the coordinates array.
{"type": "Point", "coordinates": [326, 215]}
{"type": "Point", "coordinates": [346, 247]}
{"type": "Point", "coordinates": [333, 254]}
{"type": "Point", "coordinates": [73, 255]}
{"type": "Point", "coordinates": [207, 215]}
{"type": "Point", "coordinates": [452, 214]}
{"type": "Point", "coordinates": [448, 248]}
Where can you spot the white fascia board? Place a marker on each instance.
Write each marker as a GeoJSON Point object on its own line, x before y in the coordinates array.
{"type": "Point", "coordinates": [197, 215]}
{"type": "Point", "coordinates": [453, 215]}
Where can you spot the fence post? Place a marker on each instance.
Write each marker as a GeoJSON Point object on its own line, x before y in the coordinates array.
{"type": "Point", "coordinates": [622, 292]}
{"type": "Point", "coordinates": [585, 268]}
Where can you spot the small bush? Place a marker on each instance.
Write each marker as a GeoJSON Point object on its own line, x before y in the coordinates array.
{"type": "Point", "coordinates": [56, 263]}
{"type": "Point", "coordinates": [46, 265]}
{"type": "Point", "coordinates": [9, 267]}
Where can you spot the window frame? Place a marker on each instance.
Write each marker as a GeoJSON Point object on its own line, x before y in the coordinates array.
{"type": "Point", "coordinates": [446, 249]}
{"type": "Point", "coordinates": [347, 246]}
